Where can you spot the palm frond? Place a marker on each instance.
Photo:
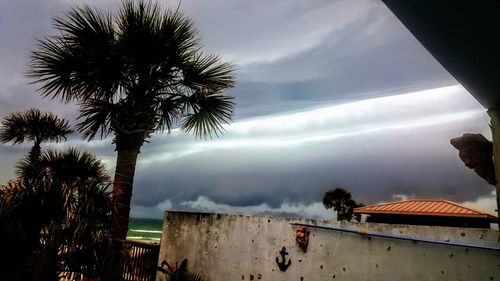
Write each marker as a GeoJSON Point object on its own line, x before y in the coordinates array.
{"type": "Point", "coordinates": [194, 277]}
{"type": "Point", "coordinates": [179, 37]}
{"type": "Point", "coordinates": [169, 109]}
{"type": "Point", "coordinates": [209, 112]}
{"type": "Point", "coordinates": [179, 273]}
{"type": "Point", "coordinates": [120, 68]}
{"type": "Point", "coordinates": [82, 61]}
{"type": "Point", "coordinates": [73, 166]}
{"type": "Point", "coordinates": [65, 209]}
{"type": "Point", "coordinates": [35, 126]}
{"type": "Point", "coordinates": [52, 67]}
{"type": "Point", "coordinates": [96, 115]}
{"type": "Point", "coordinates": [14, 128]}
{"type": "Point", "coordinates": [69, 167]}
{"type": "Point", "coordinates": [207, 72]}
{"type": "Point", "coordinates": [154, 45]}
{"type": "Point", "coordinates": [53, 128]}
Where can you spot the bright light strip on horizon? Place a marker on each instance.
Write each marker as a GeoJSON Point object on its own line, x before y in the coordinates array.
{"type": "Point", "coordinates": [353, 110]}
{"type": "Point", "coordinates": [332, 122]}
{"type": "Point", "coordinates": [277, 142]}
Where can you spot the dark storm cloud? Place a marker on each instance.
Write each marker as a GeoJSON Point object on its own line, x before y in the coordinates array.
{"type": "Point", "coordinates": [373, 168]}
{"type": "Point", "coordinates": [400, 146]}
{"type": "Point", "coordinates": [22, 23]}
{"type": "Point", "coordinates": [9, 156]}
{"type": "Point", "coordinates": [371, 55]}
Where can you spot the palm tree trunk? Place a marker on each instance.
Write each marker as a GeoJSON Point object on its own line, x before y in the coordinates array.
{"type": "Point", "coordinates": [35, 152]}
{"type": "Point", "coordinates": [128, 150]}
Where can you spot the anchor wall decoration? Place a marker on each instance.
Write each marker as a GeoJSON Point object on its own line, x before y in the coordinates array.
{"type": "Point", "coordinates": [283, 265]}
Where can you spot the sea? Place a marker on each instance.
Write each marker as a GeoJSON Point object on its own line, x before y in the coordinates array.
{"type": "Point", "coordinates": [145, 229]}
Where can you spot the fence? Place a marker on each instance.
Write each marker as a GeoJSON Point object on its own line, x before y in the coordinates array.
{"type": "Point", "coordinates": [140, 261]}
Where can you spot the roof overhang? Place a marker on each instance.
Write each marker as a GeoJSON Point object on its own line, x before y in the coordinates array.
{"type": "Point", "coordinates": [463, 36]}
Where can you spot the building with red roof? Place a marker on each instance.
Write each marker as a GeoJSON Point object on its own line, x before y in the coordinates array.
{"type": "Point", "coordinates": [427, 212]}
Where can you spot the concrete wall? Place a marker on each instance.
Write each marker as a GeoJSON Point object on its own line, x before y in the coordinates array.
{"type": "Point", "coordinates": [237, 247]}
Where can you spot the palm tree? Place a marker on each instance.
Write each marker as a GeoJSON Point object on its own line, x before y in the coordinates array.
{"type": "Point", "coordinates": [340, 201]}
{"type": "Point", "coordinates": [58, 221]}
{"type": "Point", "coordinates": [33, 125]}
{"type": "Point", "coordinates": [178, 273]}
{"type": "Point", "coordinates": [133, 73]}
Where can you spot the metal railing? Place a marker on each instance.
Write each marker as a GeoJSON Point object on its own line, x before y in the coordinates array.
{"type": "Point", "coordinates": [140, 262]}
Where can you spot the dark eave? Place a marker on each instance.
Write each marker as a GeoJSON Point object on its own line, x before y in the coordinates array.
{"type": "Point", "coordinates": [463, 36]}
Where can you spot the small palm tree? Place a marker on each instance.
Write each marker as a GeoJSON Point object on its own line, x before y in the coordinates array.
{"type": "Point", "coordinates": [340, 201]}
{"type": "Point", "coordinates": [59, 220]}
{"type": "Point", "coordinates": [178, 273]}
{"type": "Point", "coordinates": [133, 73]}
{"type": "Point", "coordinates": [33, 125]}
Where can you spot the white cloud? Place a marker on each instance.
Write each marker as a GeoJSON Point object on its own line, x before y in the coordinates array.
{"type": "Point", "coordinates": [401, 197]}
{"type": "Point", "coordinates": [485, 203]}
{"type": "Point", "coordinates": [205, 204]}
{"type": "Point", "coordinates": [313, 210]}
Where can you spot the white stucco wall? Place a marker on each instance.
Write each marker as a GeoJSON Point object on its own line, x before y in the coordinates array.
{"type": "Point", "coordinates": [236, 247]}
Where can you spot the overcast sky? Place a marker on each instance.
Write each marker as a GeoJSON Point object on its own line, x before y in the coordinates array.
{"type": "Point", "coordinates": [328, 93]}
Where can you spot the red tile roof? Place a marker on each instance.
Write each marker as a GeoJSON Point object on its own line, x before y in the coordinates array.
{"type": "Point", "coordinates": [426, 207]}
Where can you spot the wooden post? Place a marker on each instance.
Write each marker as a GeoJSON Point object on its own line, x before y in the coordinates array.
{"type": "Point", "coordinates": [494, 114]}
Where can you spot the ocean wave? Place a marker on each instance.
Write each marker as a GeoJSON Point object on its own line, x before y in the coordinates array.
{"type": "Point", "coordinates": [145, 231]}
{"type": "Point", "coordinates": [143, 238]}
